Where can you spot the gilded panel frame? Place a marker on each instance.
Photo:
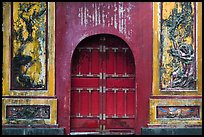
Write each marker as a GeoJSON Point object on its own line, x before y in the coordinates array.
{"type": "Point", "coordinates": [28, 101]}
{"type": "Point", "coordinates": [50, 91]}
{"type": "Point", "coordinates": [178, 121]}
{"type": "Point", "coordinates": [156, 43]}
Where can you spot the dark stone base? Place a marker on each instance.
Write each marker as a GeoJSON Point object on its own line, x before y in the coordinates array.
{"type": "Point", "coordinates": [171, 131]}
{"type": "Point", "coordinates": [32, 131]}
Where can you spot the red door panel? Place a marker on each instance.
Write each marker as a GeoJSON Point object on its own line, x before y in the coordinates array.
{"type": "Point", "coordinates": [120, 82]}
{"type": "Point", "coordinates": [120, 62]}
{"type": "Point", "coordinates": [85, 82]}
{"type": "Point", "coordinates": [85, 103]}
{"type": "Point", "coordinates": [83, 62]}
{"type": "Point", "coordinates": [120, 123]}
{"type": "Point", "coordinates": [74, 102]}
{"type": "Point", "coordinates": [130, 103]}
{"type": "Point", "coordinates": [95, 59]}
{"type": "Point", "coordinates": [110, 68]}
{"type": "Point", "coordinates": [103, 86]}
{"type": "Point", "coordinates": [110, 101]}
{"type": "Point", "coordinates": [95, 103]}
{"type": "Point", "coordinates": [120, 103]}
{"type": "Point", "coordinates": [87, 123]}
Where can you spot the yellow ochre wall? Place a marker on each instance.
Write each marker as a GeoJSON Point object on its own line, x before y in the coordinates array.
{"type": "Point", "coordinates": [182, 100]}
{"type": "Point", "coordinates": [25, 98]}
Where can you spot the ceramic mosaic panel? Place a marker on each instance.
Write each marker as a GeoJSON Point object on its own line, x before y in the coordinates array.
{"type": "Point", "coordinates": [178, 46]}
{"type": "Point", "coordinates": [175, 112]}
{"type": "Point", "coordinates": [27, 112]}
{"type": "Point", "coordinates": [28, 51]}
{"type": "Point", "coordinates": [178, 111]}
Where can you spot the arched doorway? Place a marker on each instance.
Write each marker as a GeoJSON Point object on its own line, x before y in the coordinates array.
{"type": "Point", "coordinates": [103, 93]}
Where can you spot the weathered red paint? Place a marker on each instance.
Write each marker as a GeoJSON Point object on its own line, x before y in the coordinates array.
{"type": "Point", "coordinates": [71, 29]}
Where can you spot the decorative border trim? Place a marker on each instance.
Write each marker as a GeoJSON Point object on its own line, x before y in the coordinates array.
{"type": "Point", "coordinates": [29, 101]}
{"type": "Point", "coordinates": [156, 44]}
{"type": "Point", "coordinates": [6, 50]}
{"type": "Point", "coordinates": [174, 121]}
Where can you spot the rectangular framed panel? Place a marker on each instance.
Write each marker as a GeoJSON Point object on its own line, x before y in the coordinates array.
{"type": "Point", "coordinates": [95, 101]}
{"type": "Point", "coordinates": [177, 60]}
{"type": "Point", "coordinates": [120, 82]}
{"type": "Point", "coordinates": [27, 111]}
{"type": "Point", "coordinates": [130, 103]}
{"type": "Point", "coordinates": [84, 125]}
{"type": "Point", "coordinates": [75, 109]}
{"type": "Point", "coordinates": [178, 112]}
{"type": "Point", "coordinates": [175, 112]}
{"type": "Point", "coordinates": [28, 51]}
{"type": "Point", "coordinates": [118, 124]}
{"type": "Point", "coordinates": [85, 82]}
{"type": "Point", "coordinates": [28, 46]}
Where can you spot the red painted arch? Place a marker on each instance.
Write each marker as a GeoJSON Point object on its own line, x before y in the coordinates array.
{"type": "Point", "coordinates": [69, 32]}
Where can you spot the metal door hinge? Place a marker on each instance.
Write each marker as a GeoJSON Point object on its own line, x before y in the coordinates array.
{"type": "Point", "coordinates": [104, 127]}
{"type": "Point", "coordinates": [125, 75]}
{"type": "Point", "coordinates": [125, 89]}
{"type": "Point", "coordinates": [104, 89]}
{"type": "Point", "coordinates": [100, 116]}
{"type": "Point", "coordinates": [104, 75]}
{"type": "Point", "coordinates": [90, 75]}
{"type": "Point", "coordinates": [125, 49]}
{"type": "Point", "coordinates": [100, 89]}
{"type": "Point", "coordinates": [79, 115]}
{"type": "Point", "coordinates": [89, 48]}
{"type": "Point", "coordinates": [100, 127]}
{"type": "Point", "coordinates": [79, 74]}
{"type": "Point", "coordinates": [79, 89]}
{"type": "Point", "coordinates": [89, 115]}
{"type": "Point", "coordinates": [104, 116]}
{"type": "Point", "coordinates": [125, 116]}
{"type": "Point", "coordinates": [114, 75]}
{"type": "Point", "coordinates": [101, 48]}
{"type": "Point", "coordinates": [114, 89]}
{"type": "Point", "coordinates": [114, 116]}
{"type": "Point", "coordinates": [103, 38]}
{"type": "Point", "coordinates": [80, 49]}
{"type": "Point", "coordinates": [115, 49]}
{"type": "Point", "coordinates": [89, 89]}
{"type": "Point", "coordinates": [101, 75]}
{"type": "Point", "coordinates": [104, 48]}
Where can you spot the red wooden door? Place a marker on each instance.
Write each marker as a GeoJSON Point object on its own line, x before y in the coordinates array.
{"type": "Point", "coordinates": [103, 86]}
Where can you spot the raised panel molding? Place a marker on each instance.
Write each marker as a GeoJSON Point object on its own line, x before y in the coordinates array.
{"type": "Point", "coordinates": [167, 43]}
{"type": "Point", "coordinates": [33, 72]}
{"type": "Point", "coordinates": [27, 111]}
{"type": "Point", "coordinates": [176, 112]}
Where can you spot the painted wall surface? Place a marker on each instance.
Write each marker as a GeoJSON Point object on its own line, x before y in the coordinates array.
{"type": "Point", "coordinates": [29, 46]}
{"type": "Point", "coordinates": [177, 65]}
{"type": "Point", "coordinates": [26, 55]}
{"type": "Point", "coordinates": [178, 46]}
{"type": "Point", "coordinates": [130, 21]}
{"type": "Point", "coordinates": [139, 25]}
